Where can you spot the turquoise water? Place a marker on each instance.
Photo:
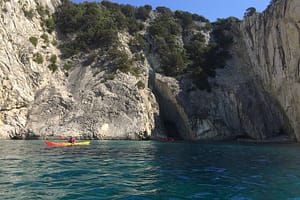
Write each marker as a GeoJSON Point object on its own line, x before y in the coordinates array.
{"type": "Point", "coordinates": [149, 170]}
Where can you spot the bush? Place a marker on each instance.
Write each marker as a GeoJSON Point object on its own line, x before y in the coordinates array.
{"type": "Point", "coordinates": [249, 11]}
{"type": "Point", "coordinates": [139, 57]}
{"type": "Point", "coordinates": [53, 67]}
{"type": "Point", "coordinates": [134, 26]}
{"type": "Point", "coordinates": [29, 14]}
{"type": "Point", "coordinates": [164, 32]}
{"type": "Point", "coordinates": [186, 18]}
{"type": "Point", "coordinates": [164, 10]}
{"type": "Point", "coordinates": [33, 41]}
{"type": "Point", "coordinates": [199, 18]}
{"type": "Point", "coordinates": [143, 12]}
{"type": "Point", "coordinates": [108, 76]}
{"type": "Point", "coordinates": [137, 44]}
{"type": "Point", "coordinates": [140, 85]}
{"type": "Point", "coordinates": [128, 11]}
{"type": "Point", "coordinates": [68, 66]}
{"type": "Point", "coordinates": [54, 42]}
{"type": "Point", "coordinates": [38, 58]}
{"type": "Point", "coordinates": [53, 59]}
{"type": "Point", "coordinates": [135, 71]}
{"type": "Point", "coordinates": [42, 11]}
{"type": "Point", "coordinates": [93, 25]}
{"type": "Point", "coordinates": [45, 37]}
{"type": "Point", "coordinates": [173, 63]}
{"type": "Point", "coordinates": [50, 24]}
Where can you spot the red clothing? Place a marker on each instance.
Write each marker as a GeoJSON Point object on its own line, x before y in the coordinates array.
{"type": "Point", "coordinates": [72, 140]}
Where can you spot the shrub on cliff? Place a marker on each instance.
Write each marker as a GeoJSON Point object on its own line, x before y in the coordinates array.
{"type": "Point", "coordinates": [140, 85]}
{"type": "Point", "coordinates": [119, 59]}
{"type": "Point", "coordinates": [45, 37]}
{"type": "Point", "coordinates": [53, 66]}
{"type": "Point", "coordinates": [95, 25]}
{"type": "Point", "coordinates": [33, 40]}
{"type": "Point", "coordinates": [68, 66]}
{"type": "Point", "coordinates": [249, 11]}
{"type": "Point", "coordinates": [143, 12]}
{"type": "Point", "coordinates": [137, 43]}
{"type": "Point", "coordinates": [164, 32]}
{"type": "Point", "coordinates": [29, 14]}
{"type": "Point", "coordinates": [38, 58]}
{"type": "Point", "coordinates": [185, 18]}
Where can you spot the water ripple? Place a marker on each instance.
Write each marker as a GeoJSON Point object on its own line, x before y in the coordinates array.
{"type": "Point", "coordinates": [148, 170]}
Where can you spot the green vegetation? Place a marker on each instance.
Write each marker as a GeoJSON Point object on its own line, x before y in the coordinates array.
{"type": "Point", "coordinates": [53, 58]}
{"type": "Point", "coordinates": [96, 25]}
{"type": "Point", "coordinates": [44, 36]}
{"type": "Point", "coordinates": [42, 11]}
{"type": "Point", "coordinates": [91, 24]}
{"type": "Point", "coordinates": [29, 14]}
{"type": "Point", "coordinates": [120, 60]}
{"type": "Point", "coordinates": [249, 11]}
{"type": "Point", "coordinates": [54, 42]}
{"type": "Point", "coordinates": [33, 41]}
{"type": "Point", "coordinates": [108, 76]}
{"type": "Point", "coordinates": [48, 21]}
{"type": "Point", "coordinates": [50, 24]}
{"type": "Point", "coordinates": [137, 44]}
{"type": "Point", "coordinates": [53, 66]}
{"type": "Point", "coordinates": [68, 66]}
{"type": "Point", "coordinates": [165, 32]}
{"type": "Point", "coordinates": [175, 38]}
{"type": "Point", "coordinates": [198, 58]}
{"type": "Point", "coordinates": [38, 58]}
{"type": "Point", "coordinates": [140, 85]}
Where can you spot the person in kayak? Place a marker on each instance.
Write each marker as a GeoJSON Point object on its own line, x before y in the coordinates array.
{"type": "Point", "coordinates": [72, 140]}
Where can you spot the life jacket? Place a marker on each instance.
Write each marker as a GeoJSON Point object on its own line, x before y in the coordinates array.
{"type": "Point", "coordinates": [72, 140]}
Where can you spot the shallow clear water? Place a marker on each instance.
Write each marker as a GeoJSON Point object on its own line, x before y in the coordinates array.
{"type": "Point", "coordinates": [149, 170]}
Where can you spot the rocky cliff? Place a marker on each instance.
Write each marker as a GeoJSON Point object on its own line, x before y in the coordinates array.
{"type": "Point", "coordinates": [255, 95]}
{"type": "Point", "coordinates": [20, 76]}
{"type": "Point", "coordinates": [271, 44]}
{"type": "Point", "coordinates": [35, 101]}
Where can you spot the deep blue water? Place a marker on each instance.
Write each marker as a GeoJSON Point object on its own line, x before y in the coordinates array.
{"type": "Point", "coordinates": [149, 170]}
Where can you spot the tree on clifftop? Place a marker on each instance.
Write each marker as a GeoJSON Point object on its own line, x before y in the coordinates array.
{"type": "Point", "coordinates": [250, 11]}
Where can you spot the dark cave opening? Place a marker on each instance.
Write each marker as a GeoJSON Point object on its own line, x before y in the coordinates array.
{"type": "Point", "coordinates": [172, 130]}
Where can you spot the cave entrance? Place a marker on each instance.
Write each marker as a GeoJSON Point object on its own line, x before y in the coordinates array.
{"type": "Point", "coordinates": [172, 130]}
{"type": "Point", "coordinates": [170, 113]}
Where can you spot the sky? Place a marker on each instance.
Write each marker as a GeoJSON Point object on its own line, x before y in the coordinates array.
{"type": "Point", "coordinates": [210, 9]}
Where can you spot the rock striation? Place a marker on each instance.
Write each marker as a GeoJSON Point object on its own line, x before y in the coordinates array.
{"type": "Point", "coordinates": [271, 42]}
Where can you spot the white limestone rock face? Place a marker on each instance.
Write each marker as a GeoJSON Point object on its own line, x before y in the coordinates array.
{"type": "Point", "coordinates": [112, 109]}
{"type": "Point", "coordinates": [271, 45]}
{"type": "Point", "coordinates": [90, 106]}
{"type": "Point", "coordinates": [20, 76]}
{"type": "Point", "coordinates": [36, 102]}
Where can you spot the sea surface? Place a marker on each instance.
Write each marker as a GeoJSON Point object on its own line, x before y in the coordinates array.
{"type": "Point", "coordinates": [136, 170]}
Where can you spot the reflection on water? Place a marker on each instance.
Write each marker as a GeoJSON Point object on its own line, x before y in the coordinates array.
{"type": "Point", "coordinates": [148, 170]}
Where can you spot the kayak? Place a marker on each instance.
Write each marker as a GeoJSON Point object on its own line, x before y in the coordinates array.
{"type": "Point", "coordinates": [65, 144]}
